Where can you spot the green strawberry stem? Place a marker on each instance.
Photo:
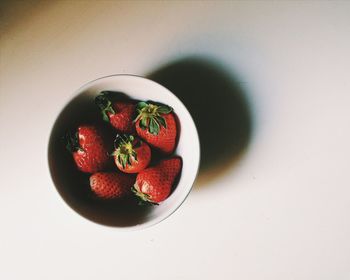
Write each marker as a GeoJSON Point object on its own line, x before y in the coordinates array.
{"type": "Point", "coordinates": [144, 199]}
{"type": "Point", "coordinates": [150, 116]}
{"type": "Point", "coordinates": [103, 101]}
{"type": "Point", "coordinates": [124, 145]}
{"type": "Point", "coordinates": [72, 142]}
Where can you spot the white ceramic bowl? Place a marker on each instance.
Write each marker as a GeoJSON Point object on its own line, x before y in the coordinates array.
{"type": "Point", "coordinates": [81, 108]}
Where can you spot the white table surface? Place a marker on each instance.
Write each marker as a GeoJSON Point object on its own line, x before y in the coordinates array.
{"type": "Point", "coordinates": [281, 212]}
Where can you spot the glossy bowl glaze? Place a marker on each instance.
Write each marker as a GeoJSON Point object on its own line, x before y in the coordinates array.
{"type": "Point", "coordinates": [71, 184]}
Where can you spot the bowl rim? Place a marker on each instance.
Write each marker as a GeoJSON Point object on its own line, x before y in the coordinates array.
{"type": "Point", "coordinates": [153, 221]}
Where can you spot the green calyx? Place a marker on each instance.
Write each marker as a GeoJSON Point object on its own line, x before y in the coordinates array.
{"type": "Point", "coordinates": [104, 102]}
{"type": "Point", "coordinates": [150, 116]}
{"type": "Point", "coordinates": [125, 149]}
{"type": "Point", "coordinates": [144, 199]}
{"type": "Point", "coordinates": [72, 142]}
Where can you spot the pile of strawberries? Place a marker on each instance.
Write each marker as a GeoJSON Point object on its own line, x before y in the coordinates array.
{"type": "Point", "coordinates": [138, 159]}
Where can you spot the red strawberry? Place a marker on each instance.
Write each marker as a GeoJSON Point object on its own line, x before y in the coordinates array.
{"type": "Point", "coordinates": [156, 125]}
{"type": "Point", "coordinates": [131, 155]}
{"type": "Point", "coordinates": [111, 184]}
{"type": "Point", "coordinates": [154, 184]}
{"type": "Point", "coordinates": [89, 150]}
{"type": "Point", "coordinates": [119, 113]}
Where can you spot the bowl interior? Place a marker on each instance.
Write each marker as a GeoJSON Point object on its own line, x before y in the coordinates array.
{"type": "Point", "coordinates": [73, 185]}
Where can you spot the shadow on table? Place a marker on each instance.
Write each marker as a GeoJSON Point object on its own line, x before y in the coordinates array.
{"type": "Point", "coordinates": [219, 107]}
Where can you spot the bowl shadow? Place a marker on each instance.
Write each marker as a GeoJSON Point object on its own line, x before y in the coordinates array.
{"type": "Point", "coordinates": [219, 108]}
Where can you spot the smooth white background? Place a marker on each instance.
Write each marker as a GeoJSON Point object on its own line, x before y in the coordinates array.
{"type": "Point", "coordinates": [282, 212]}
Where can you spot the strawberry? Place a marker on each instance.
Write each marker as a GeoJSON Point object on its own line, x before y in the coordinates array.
{"type": "Point", "coordinates": [118, 113]}
{"type": "Point", "coordinates": [154, 184]}
{"type": "Point", "coordinates": [89, 150]}
{"type": "Point", "coordinates": [131, 155]}
{"type": "Point", "coordinates": [157, 126]}
{"type": "Point", "coordinates": [111, 184]}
